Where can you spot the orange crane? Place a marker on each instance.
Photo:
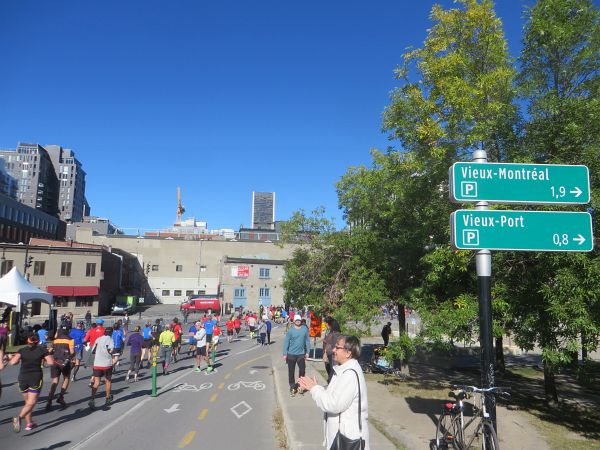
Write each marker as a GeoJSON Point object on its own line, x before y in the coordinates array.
{"type": "Point", "coordinates": [180, 208]}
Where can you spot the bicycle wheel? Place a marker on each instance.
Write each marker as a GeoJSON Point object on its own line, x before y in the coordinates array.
{"type": "Point", "coordinates": [445, 435]}
{"type": "Point", "coordinates": [490, 438]}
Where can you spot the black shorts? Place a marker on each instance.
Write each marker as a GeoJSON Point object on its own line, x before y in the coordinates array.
{"type": "Point", "coordinates": [229, 332]}
{"type": "Point", "coordinates": [209, 338]}
{"type": "Point", "coordinates": [56, 370]}
{"type": "Point", "coordinates": [31, 383]}
{"type": "Point", "coordinates": [116, 352]}
{"type": "Point", "coordinates": [237, 330]}
{"type": "Point", "coordinates": [147, 343]}
{"type": "Point", "coordinates": [252, 329]}
{"type": "Point", "coordinates": [201, 351]}
{"type": "Point", "coordinates": [106, 373]}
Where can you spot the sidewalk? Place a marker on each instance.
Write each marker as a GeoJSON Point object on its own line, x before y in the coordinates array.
{"type": "Point", "coordinates": [303, 420]}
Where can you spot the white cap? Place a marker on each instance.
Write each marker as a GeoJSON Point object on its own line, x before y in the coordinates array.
{"type": "Point", "coordinates": [297, 317]}
{"type": "Point", "coordinates": [265, 317]}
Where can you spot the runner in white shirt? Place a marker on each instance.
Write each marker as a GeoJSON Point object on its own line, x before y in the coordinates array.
{"type": "Point", "coordinates": [201, 353]}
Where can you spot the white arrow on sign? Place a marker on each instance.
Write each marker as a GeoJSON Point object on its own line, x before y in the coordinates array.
{"type": "Point", "coordinates": [579, 239]}
{"type": "Point", "coordinates": [576, 191]}
{"type": "Point", "coordinates": [173, 408]}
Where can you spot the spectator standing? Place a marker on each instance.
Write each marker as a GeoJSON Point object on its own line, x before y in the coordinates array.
{"type": "Point", "coordinates": [344, 401]}
{"type": "Point", "coordinates": [385, 333]}
{"type": "Point", "coordinates": [296, 347]}
{"type": "Point", "coordinates": [3, 335]}
{"type": "Point", "coordinates": [331, 335]}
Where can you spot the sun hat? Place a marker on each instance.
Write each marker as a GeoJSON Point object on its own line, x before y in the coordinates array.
{"type": "Point", "coordinates": [99, 321]}
{"type": "Point", "coordinates": [297, 317]}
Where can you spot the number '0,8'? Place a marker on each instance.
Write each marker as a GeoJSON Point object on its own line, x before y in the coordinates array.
{"type": "Point", "coordinates": [560, 239]}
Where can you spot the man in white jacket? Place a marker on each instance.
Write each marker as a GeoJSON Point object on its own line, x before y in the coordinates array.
{"type": "Point", "coordinates": [339, 400]}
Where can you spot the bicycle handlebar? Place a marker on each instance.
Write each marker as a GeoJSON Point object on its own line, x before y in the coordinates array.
{"type": "Point", "coordinates": [498, 390]}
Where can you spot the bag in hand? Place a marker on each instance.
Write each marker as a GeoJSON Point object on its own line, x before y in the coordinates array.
{"type": "Point", "coordinates": [341, 442]}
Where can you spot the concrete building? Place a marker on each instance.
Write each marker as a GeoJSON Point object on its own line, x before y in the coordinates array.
{"type": "Point", "coordinates": [72, 205]}
{"type": "Point", "coordinates": [263, 210]}
{"type": "Point", "coordinates": [37, 185]}
{"type": "Point", "coordinates": [167, 269]}
{"type": "Point", "coordinates": [8, 185]}
{"type": "Point", "coordinates": [99, 225]}
{"type": "Point", "coordinates": [81, 277]}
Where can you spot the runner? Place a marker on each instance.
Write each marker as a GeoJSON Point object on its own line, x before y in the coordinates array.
{"type": "Point", "coordinates": [31, 378]}
{"type": "Point", "coordinates": [78, 336]}
{"type": "Point", "coordinates": [230, 325]}
{"type": "Point", "coordinates": [103, 366]}
{"type": "Point", "coordinates": [147, 344]}
{"type": "Point", "coordinates": [201, 354]}
{"type": "Point", "coordinates": [97, 331]}
{"type": "Point", "coordinates": [192, 340]}
{"type": "Point", "coordinates": [156, 331]}
{"type": "Point", "coordinates": [135, 341]}
{"type": "Point", "coordinates": [166, 341]}
{"type": "Point", "coordinates": [252, 325]}
{"type": "Point", "coordinates": [118, 339]}
{"type": "Point", "coordinates": [208, 326]}
{"type": "Point", "coordinates": [262, 331]}
{"type": "Point", "coordinates": [63, 352]}
{"type": "Point", "coordinates": [176, 328]}
{"type": "Point", "coordinates": [237, 325]}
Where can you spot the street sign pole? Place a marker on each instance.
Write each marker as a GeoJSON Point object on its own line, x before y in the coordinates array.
{"type": "Point", "coordinates": [483, 263]}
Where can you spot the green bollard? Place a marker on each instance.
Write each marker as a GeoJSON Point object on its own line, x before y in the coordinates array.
{"type": "Point", "coordinates": [154, 374]}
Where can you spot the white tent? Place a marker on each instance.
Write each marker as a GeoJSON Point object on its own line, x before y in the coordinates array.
{"type": "Point", "coordinates": [16, 290]}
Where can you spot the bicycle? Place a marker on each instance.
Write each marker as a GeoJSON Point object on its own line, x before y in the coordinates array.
{"type": "Point", "coordinates": [451, 427]}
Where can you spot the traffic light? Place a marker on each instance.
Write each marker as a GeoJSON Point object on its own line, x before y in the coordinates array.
{"type": "Point", "coordinates": [147, 269]}
{"type": "Point", "coordinates": [29, 261]}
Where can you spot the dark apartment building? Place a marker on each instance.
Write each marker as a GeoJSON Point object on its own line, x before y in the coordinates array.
{"type": "Point", "coordinates": [20, 223]}
{"type": "Point", "coordinates": [263, 210]}
{"type": "Point", "coordinates": [72, 205]}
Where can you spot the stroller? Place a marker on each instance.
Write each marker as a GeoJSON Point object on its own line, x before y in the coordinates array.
{"type": "Point", "coordinates": [378, 364]}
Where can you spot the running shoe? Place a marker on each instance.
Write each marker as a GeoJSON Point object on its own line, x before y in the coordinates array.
{"type": "Point", "coordinates": [30, 426]}
{"type": "Point", "coordinates": [108, 400]}
{"type": "Point", "coordinates": [197, 369]}
{"type": "Point", "coordinates": [16, 423]}
{"type": "Point", "coordinates": [92, 404]}
{"type": "Point", "coordinates": [293, 392]}
{"type": "Point", "coordinates": [61, 401]}
{"type": "Point", "coordinates": [49, 405]}
{"type": "Point", "coordinates": [127, 377]}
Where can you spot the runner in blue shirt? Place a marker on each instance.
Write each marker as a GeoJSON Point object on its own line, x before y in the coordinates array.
{"type": "Point", "coordinates": [208, 327]}
{"type": "Point", "coordinates": [118, 337]}
{"type": "Point", "coordinates": [78, 335]}
{"type": "Point", "coordinates": [192, 340]}
{"type": "Point", "coordinates": [147, 344]}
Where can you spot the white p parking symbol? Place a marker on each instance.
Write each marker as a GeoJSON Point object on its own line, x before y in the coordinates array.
{"type": "Point", "coordinates": [470, 237]}
{"type": "Point", "coordinates": [468, 189]}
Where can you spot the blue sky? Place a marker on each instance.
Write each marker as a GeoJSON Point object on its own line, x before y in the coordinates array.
{"type": "Point", "coordinates": [221, 98]}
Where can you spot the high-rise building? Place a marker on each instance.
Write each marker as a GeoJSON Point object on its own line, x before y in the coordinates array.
{"type": "Point", "coordinates": [263, 210]}
{"type": "Point", "coordinates": [72, 205]}
{"type": "Point", "coordinates": [37, 184]}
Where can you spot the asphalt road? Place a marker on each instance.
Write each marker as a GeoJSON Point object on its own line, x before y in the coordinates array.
{"type": "Point", "coordinates": [232, 407]}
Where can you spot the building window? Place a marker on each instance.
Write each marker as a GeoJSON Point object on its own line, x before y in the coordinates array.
{"type": "Point", "coordinates": [188, 293]}
{"type": "Point", "coordinates": [155, 268]}
{"type": "Point", "coordinates": [264, 292]}
{"type": "Point", "coordinates": [166, 292]}
{"type": "Point", "coordinates": [177, 293]}
{"type": "Point", "coordinates": [90, 270]}
{"type": "Point", "coordinates": [39, 267]}
{"type": "Point", "coordinates": [178, 268]}
{"type": "Point", "coordinates": [65, 269]}
{"type": "Point", "coordinates": [61, 301]}
{"type": "Point", "coordinates": [201, 292]}
{"type": "Point", "coordinates": [239, 292]}
{"type": "Point", "coordinates": [202, 268]}
{"type": "Point", "coordinates": [7, 264]}
{"type": "Point", "coordinates": [84, 301]}
{"type": "Point", "coordinates": [265, 273]}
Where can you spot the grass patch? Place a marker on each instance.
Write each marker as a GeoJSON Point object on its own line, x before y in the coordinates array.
{"type": "Point", "coordinates": [280, 436]}
{"type": "Point", "coordinates": [380, 426]}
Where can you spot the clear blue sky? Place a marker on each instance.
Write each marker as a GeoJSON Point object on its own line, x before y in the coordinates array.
{"type": "Point", "coordinates": [220, 98]}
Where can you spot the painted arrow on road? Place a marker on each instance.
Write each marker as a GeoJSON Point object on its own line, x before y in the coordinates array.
{"type": "Point", "coordinates": [173, 408]}
{"type": "Point", "coordinates": [253, 371]}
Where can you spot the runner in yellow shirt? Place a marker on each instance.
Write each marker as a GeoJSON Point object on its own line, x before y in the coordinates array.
{"type": "Point", "coordinates": [166, 341]}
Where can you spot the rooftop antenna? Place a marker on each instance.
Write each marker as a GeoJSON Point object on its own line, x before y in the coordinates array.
{"type": "Point", "coordinates": [180, 208]}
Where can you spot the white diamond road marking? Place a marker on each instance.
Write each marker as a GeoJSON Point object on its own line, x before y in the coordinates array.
{"type": "Point", "coordinates": [244, 408]}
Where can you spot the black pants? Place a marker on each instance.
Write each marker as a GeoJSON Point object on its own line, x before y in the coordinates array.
{"type": "Point", "coordinates": [292, 360]}
{"type": "Point", "coordinates": [386, 339]}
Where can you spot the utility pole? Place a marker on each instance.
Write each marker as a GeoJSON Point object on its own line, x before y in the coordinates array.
{"type": "Point", "coordinates": [483, 262]}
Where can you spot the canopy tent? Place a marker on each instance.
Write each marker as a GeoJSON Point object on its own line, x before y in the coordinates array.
{"type": "Point", "coordinates": [16, 290]}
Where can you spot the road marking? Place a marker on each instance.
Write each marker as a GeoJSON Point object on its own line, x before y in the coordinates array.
{"type": "Point", "coordinates": [187, 439]}
{"type": "Point", "coordinates": [213, 397]}
{"type": "Point", "coordinates": [192, 388]}
{"type": "Point", "coordinates": [243, 407]}
{"type": "Point", "coordinates": [256, 385]}
{"type": "Point", "coordinates": [173, 408]}
{"type": "Point", "coordinates": [250, 361]}
{"type": "Point", "coordinates": [203, 414]}
{"type": "Point", "coordinates": [222, 385]}
{"type": "Point", "coordinates": [227, 376]}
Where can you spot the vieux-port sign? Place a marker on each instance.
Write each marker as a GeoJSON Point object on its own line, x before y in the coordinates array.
{"type": "Point", "coordinates": [553, 231]}
{"type": "Point", "coordinates": [519, 183]}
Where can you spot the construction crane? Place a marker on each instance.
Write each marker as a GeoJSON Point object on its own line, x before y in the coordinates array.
{"type": "Point", "coordinates": [180, 208]}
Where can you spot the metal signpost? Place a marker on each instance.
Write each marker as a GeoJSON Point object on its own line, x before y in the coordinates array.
{"type": "Point", "coordinates": [549, 231]}
{"type": "Point", "coordinates": [519, 183]}
{"type": "Point", "coordinates": [483, 230]}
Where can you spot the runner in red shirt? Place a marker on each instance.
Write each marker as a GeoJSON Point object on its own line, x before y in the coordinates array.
{"type": "Point", "coordinates": [230, 326]}
{"type": "Point", "coordinates": [237, 325]}
{"type": "Point", "coordinates": [176, 327]}
{"type": "Point", "coordinates": [93, 333]}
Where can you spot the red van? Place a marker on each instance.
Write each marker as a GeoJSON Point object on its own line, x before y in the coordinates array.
{"type": "Point", "coordinates": [202, 303]}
